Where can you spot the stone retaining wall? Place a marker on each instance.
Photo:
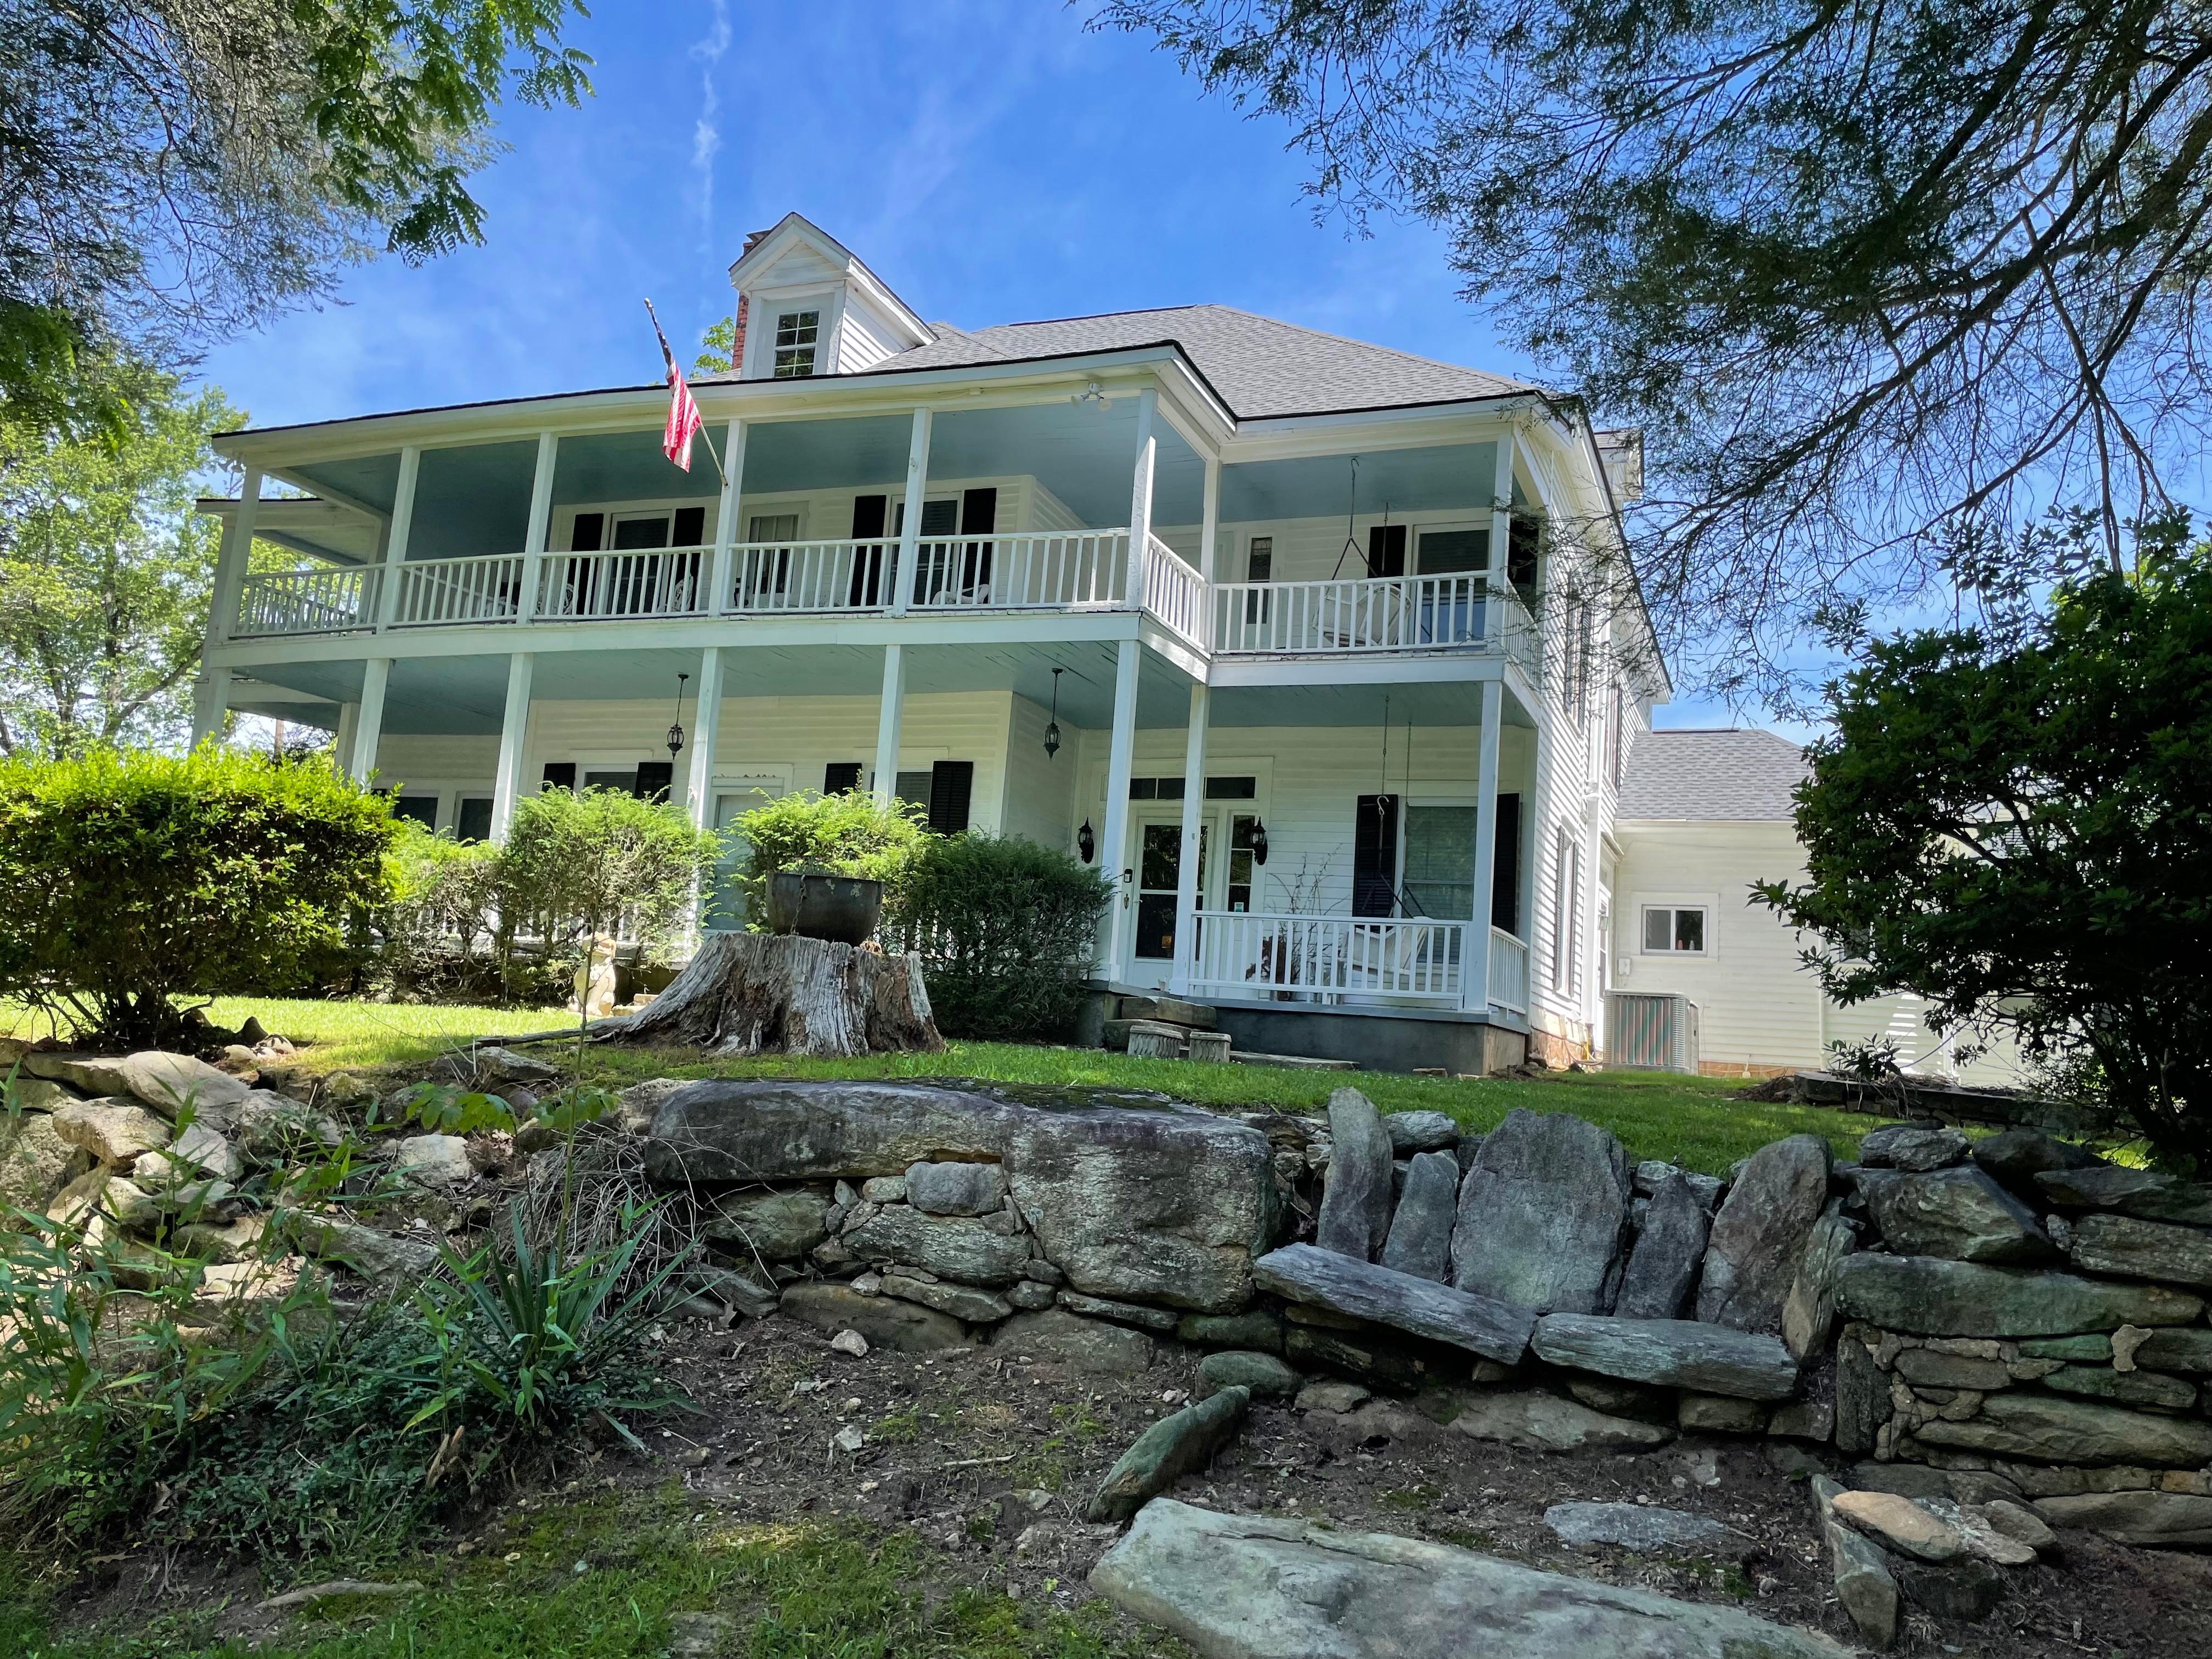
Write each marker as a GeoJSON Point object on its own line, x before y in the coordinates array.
{"type": "Point", "coordinates": [2013, 1311]}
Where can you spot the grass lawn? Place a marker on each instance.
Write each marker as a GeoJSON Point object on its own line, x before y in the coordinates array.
{"type": "Point", "coordinates": [1689, 1120]}
{"type": "Point", "coordinates": [597, 1578]}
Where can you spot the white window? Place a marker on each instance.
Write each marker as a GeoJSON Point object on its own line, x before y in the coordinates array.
{"type": "Point", "coordinates": [1674, 930]}
{"type": "Point", "coordinates": [796, 333]}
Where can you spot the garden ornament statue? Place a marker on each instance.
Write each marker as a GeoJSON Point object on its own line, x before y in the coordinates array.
{"type": "Point", "coordinates": [595, 979]}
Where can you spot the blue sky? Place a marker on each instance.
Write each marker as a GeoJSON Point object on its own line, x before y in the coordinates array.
{"type": "Point", "coordinates": [993, 161]}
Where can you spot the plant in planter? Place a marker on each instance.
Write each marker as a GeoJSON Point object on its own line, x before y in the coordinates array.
{"type": "Point", "coordinates": [849, 834]}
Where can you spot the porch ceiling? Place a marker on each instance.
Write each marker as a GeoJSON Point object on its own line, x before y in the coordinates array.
{"type": "Point", "coordinates": [1397, 480]}
{"type": "Point", "coordinates": [1457, 702]}
{"type": "Point", "coordinates": [476, 498]}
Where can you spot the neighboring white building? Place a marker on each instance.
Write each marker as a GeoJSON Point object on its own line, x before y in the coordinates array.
{"type": "Point", "coordinates": [1702, 815]}
{"type": "Point", "coordinates": [1300, 615]}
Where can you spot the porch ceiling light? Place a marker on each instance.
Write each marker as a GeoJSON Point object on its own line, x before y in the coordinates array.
{"type": "Point", "coordinates": [1052, 730]}
{"type": "Point", "coordinates": [1258, 842]}
{"type": "Point", "coordinates": [676, 726]}
{"type": "Point", "coordinates": [1085, 843]}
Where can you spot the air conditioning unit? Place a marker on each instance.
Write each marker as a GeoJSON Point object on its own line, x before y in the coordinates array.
{"type": "Point", "coordinates": [1654, 1030]}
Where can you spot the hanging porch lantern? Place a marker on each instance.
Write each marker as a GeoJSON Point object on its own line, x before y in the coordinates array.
{"type": "Point", "coordinates": [1052, 729]}
{"type": "Point", "coordinates": [676, 726]}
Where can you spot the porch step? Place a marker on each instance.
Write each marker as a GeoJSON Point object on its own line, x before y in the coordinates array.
{"type": "Point", "coordinates": [1172, 1010]}
{"type": "Point", "coordinates": [1293, 1062]}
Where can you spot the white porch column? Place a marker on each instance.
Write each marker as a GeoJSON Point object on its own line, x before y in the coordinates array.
{"type": "Point", "coordinates": [901, 574]}
{"type": "Point", "coordinates": [515, 729]}
{"type": "Point", "coordinates": [725, 530]}
{"type": "Point", "coordinates": [1501, 535]}
{"type": "Point", "coordinates": [1187, 869]}
{"type": "Point", "coordinates": [1474, 964]}
{"type": "Point", "coordinates": [210, 702]}
{"type": "Point", "coordinates": [534, 549]}
{"type": "Point", "coordinates": [1209, 523]}
{"type": "Point", "coordinates": [395, 538]}
{"type": "Point", "coordinates": [706, 731]}
{"type": "Point", "coordinates": [233, 561]}
{"type": "Point", "coordinates": [368, 719]}
{"type": "Point", "coordinates": [1140, 495]}
{"type": "Point", "coordinates": [887, 719]}
{"type": "Point", "coordinates": [1114, 846]}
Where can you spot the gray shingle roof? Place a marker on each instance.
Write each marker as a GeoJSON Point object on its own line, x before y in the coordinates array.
{"type": "Point", "coordinates": [1711, 774]}
{"type": "Point", "coordinates": [1259, 365]}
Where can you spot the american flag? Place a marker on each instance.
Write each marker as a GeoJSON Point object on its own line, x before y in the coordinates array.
{"type": "Point", "coordinates": [684, 417]}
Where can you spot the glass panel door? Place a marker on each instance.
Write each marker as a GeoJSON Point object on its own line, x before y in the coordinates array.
{"type": "Point", "coordinates": [1159, 862]}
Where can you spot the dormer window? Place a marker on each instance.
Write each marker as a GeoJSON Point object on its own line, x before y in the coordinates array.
{"type": "Point", "coordinates": [796, 332]}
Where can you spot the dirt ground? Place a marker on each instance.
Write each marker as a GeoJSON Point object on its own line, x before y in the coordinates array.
{"type": "Point", "coordinates": [991, 1459]}
{"type": "Point", "coordinates": [961, 1445]}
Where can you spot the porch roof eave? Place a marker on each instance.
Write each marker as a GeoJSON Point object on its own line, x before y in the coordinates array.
{"type": "Point", "coordinates": [820, 397]}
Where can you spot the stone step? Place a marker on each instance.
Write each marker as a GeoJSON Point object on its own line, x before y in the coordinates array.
{"type": "Point", "coordinates": [1293, 1062]}
{"type": "Point", "coordinates": [1173, 1010]}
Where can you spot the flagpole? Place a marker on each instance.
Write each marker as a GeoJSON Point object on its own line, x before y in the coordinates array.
{"type": "Point", "coordinates": [712, 454]}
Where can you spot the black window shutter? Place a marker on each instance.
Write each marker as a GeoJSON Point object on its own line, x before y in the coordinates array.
{"type": "Point", "coordinates": [839, 776]}
{"type": "Point", "coordinates": [951, 783]}
{"type": "Point", "coordinates": [560, 775]}
{"type": "Point", "coordinates": [690, 528]}
{"type": "Point", "coordinates": [979, 512]}
{"type": "Point", "coordinates": [1375, 855]}
{"type": "Point", "coordinates": [1505, 867]}
{"type": "Point", "coordinates": [1386, 550]}
{"type": "Point", "coordinates": [868, 515]}
{"type": "Point", "coordinates": [654, 779]}
{"type": "Point", "coordinates": [584, 534]}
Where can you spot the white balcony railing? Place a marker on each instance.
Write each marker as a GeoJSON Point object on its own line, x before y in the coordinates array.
{"type": "Point", "coordinates": [1174, 593]}
{"type": "Point", "coordinates": [448, 591]}
{"type": "Point", "coordinates": [1329, 958]}
{"type": "Point", "coordinates": [808, 576]}
{"type": "Point", "coordinates": [1053, 570]}
{"type": "Point", "coordinates": [335, 601]}
{"type": "Point", "coordinates": [623, 585]}
{"type": "Point", "coordinates": [1508, 971]}
{"type": "Point", "coordinates": [1388, 613]}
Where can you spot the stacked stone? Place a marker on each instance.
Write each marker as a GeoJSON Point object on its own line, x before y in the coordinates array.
{"type": "Point", "coordinates": [2039, 1317]}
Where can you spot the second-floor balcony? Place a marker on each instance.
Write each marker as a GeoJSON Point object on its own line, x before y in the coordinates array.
{"type": "Point", "coordinates": [1062, 571]}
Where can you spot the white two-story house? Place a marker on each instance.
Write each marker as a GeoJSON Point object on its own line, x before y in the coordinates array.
{"type": "Point", "coordinates": [1287, 634]}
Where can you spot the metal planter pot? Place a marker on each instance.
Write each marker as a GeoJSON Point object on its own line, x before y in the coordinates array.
{"type": "Point", "coordinates": [841, 908]}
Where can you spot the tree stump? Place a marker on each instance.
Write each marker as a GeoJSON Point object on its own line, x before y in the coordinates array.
{"type": "Point", "coordinates": [753, 993]}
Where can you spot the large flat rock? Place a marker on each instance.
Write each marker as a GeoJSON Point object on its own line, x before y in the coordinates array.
{"type": "Point", "coordinates": [2169, 1519]}
{"type": "Point", "coordinates": [2053, 1430]}
{"type": "Point", "coordinates": [1251, 1587]}
{"type": "Point", "coordinates": [1133, 1197]}
{"type": "Point", "coordinates": [1673, 1353]}
{"type": "Point", "coordinates": [1930, 1297]}
{"type": "Point", "coordinates": [2144, 1193]}
{"type": "Point", "coordinates": [166, 1082]}
{"type": "Point", "coordinates": [1321, 1278]}
{"type": "Point", "coordinates": [1542, 1215]}
{"type": "Point", "coordinates": [1420, 1232]}
{"type": "Point", "coordinates": [2142, 1249]}
{"type": "Point", "coordinates": [1662, 1268]}
{"type": "Point", "coordinates": [1750, 1258]}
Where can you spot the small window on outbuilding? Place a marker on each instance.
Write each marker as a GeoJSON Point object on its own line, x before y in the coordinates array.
{"type": "Point", "coordinates": [1674, 930]}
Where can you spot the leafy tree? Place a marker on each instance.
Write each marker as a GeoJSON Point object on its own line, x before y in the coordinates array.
{"type": "Point", "coordinates": [1872, 278]}
{"type": "Point", "coordinates": [718, 352]}
{"type": "Point", "coordinates": [2019, 831]}
{"type": "Point", "coordinates": [104, 571]}
{"type": "Point", "coordinates": [137, 879]}
{"type": "Point", "coordinates": [177, 170]}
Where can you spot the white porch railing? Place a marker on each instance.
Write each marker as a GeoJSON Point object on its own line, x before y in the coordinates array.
{"type": "Point", "coordinates": [434, 590]}
{"type": "Point", "coordinates": [1052, 571]}
{"type": "Point", "coordinates": [334, 601]}
{"type": "Point", "coordinates": [1327, 958]}
{"type": "Point", "coordinates": [1174, 593]}
{"type": "Point", "coordinates": [657, 581]}
{"type": "Point", "coordinates": [769, 580]}
{"type": "Point", "coordinates": [1518, 631]}
{"type": "Point", "coordinates": [1388, 613]}
{"type": "Point", "coordinates": [1508, 971]}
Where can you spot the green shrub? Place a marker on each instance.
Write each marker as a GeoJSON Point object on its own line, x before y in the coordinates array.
{"type": "Point", "coordinates": [1006, 930]}
{"type": "Point", "coordinates": [846, 835]}
{"type": "Point", "coordinates": [134, 879]}
{"type": "Point", "coordinates": [581, 862]}
{"type": "Point", "coordinates": [440, 935]}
